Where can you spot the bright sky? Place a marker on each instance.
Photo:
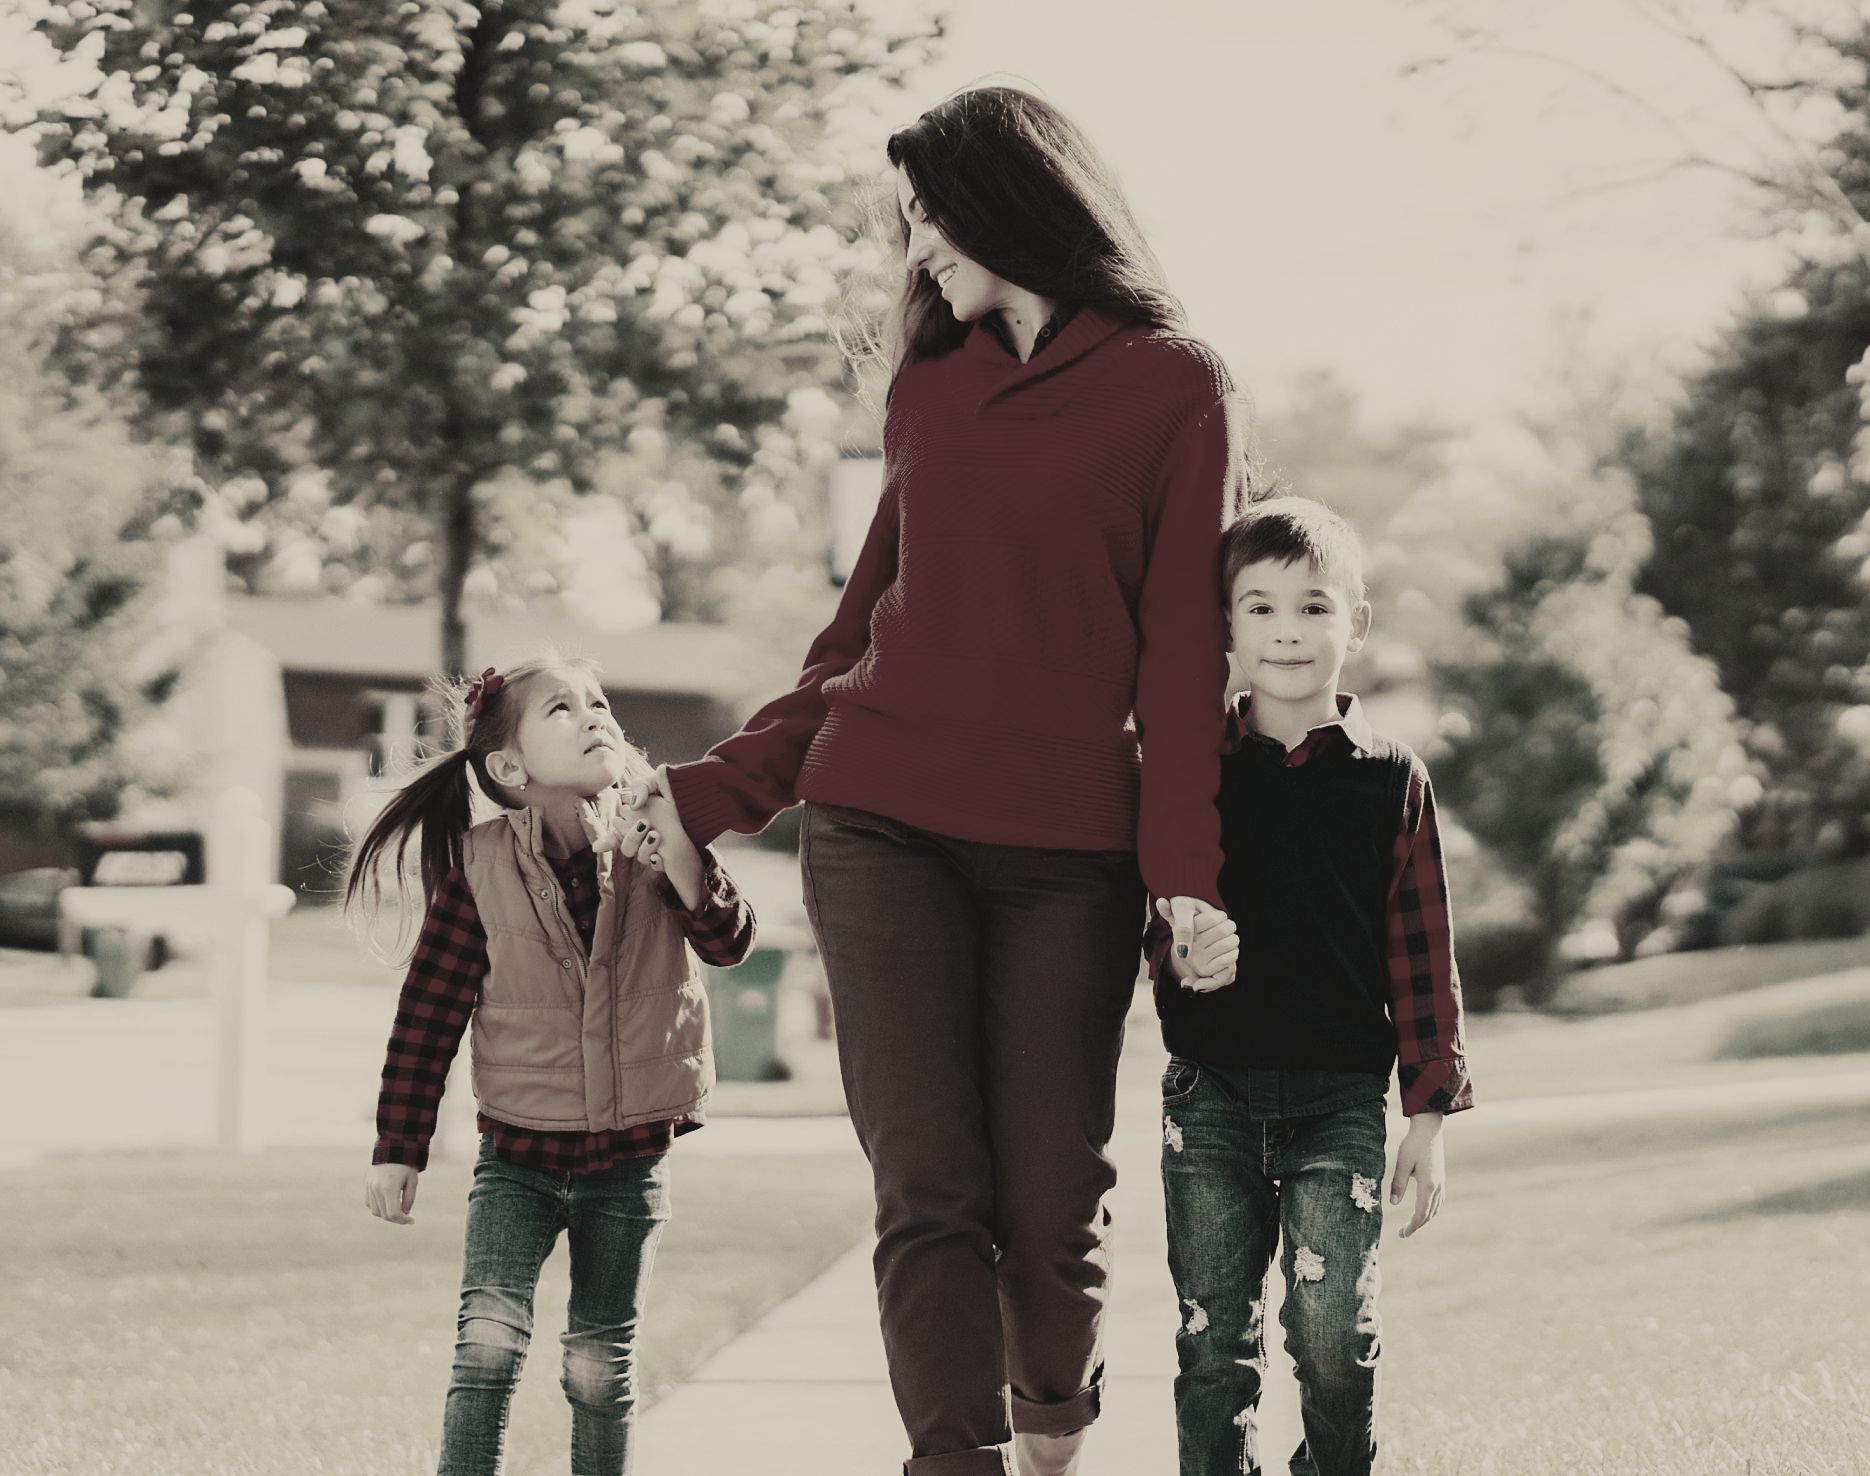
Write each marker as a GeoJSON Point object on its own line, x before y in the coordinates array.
{"type": "Point", "coordinates": [1422, 239]}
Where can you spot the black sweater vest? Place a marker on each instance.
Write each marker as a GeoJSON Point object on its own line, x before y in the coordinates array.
{"type": "Point", "coordinates": [1309, 858]}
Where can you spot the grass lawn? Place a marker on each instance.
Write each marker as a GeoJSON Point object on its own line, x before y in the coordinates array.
{"type": "Point", "coordinates": [1731, 1037]}
{"type": "Point", "coordinates": [1676, 1298]}
{"type": "Point", "coordinates": [194, 1314]}
{"type": "Point", "coordinates": [1688, 978]}
{"type": "Point", "coordinates": [1648, 1291]}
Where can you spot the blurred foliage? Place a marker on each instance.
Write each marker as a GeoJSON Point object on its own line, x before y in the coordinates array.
{"type": "Point", "coordinates": [1760, 491]}
{"type": "Point", "coordinates": [1823, 901]}
{"type": "Point", "coordinates": [1758, 485]}
{"type": "Point", "coordinates": [84, 651]}
{"type": "Point", "coordinates": [411, 279]}
{"type": "Point", "coordinates": [1584, 743]}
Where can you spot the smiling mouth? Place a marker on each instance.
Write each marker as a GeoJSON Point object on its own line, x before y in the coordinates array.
{"type": "Point", "coordinates": [602, 743]}
{"type": "Point", "coordinates": [942, 277]}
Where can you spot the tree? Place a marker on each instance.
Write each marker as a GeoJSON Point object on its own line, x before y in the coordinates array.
{"type": "Point", "coordinates": [1760, 491]}
{"type": "Point", "coordinates": [1758, 487]}
{"type": "Point", "coordinates": [84, 654]}
{"type": "Point", "coordinates": [413, 279]}
{"type": "Point", "coordinates": [1584, 741]}
{"type": "Point", "coordinates": [1587, 746]}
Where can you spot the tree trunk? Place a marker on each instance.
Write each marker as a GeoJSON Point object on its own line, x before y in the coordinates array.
{"type": "Point", "coordinates": [458, 534]}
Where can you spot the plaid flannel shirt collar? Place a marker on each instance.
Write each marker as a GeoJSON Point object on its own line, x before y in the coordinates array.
{"type": "Point", "coordinates": [1350, 721]}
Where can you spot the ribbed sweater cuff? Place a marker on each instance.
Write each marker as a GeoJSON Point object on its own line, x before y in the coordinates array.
{"type": "Point", "coordinates": [706, 808]}
{"type": "Point", "coordinates": [1187, 881]}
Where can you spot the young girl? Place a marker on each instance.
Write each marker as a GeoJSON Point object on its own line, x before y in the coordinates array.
{"type": "Point", "coordinates": [556, 928]}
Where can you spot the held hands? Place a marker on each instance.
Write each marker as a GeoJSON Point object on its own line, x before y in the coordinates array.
{"type": "Point", "coordinates": [665, 845]}
{"type": "Point", "coordinates": [646, 829]}
{"type": "Point", "coordinates": [1205, 944]}
{"type": "Point", "coordinates": [1420, 1157]}
{"type": "Point", "coordinates": [390, 1192]}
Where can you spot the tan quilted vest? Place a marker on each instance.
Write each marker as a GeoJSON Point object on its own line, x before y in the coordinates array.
{"type": "Point", "coordinates": [570, 1044]}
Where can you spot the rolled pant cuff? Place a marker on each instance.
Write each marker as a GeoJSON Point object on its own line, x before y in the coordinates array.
{"type": "Point", "coordinates": [984, 1460]}
{"type": "Point", "coordinates": [1060, 1417]}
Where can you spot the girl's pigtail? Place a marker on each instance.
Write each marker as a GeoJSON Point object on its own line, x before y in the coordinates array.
{"type": "Point", "coordinates": [438, 802]}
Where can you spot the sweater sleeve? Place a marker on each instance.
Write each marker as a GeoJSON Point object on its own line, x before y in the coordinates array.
{"type": "Point", "coordinates": [1182, 663]}
{"type": "Point", "coordinates": [745, 780]}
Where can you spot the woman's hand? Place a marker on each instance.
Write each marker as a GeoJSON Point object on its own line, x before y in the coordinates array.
{"type": "Point", "coordinates": [1205, 947]}
{"type": "Point", "coordinates": [656, 784]}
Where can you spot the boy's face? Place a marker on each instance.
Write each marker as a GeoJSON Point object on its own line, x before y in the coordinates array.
{"type": "Point", "coordinates": [1291, 629]}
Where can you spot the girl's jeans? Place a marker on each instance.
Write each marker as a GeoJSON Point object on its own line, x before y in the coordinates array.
{"type": "Point", "coordinates": [612, 1221]}
{"type": "Point", "coordinates": [1235, 1187]}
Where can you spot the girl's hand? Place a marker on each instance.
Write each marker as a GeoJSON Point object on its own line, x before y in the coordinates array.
{"type": "Point", "coordinates": [610, 822]}
{"type": "Point", "coordinates": [667, 849]}
{"type": "Point", "coordinates": [1421, 1158]}
{"type": "Point", "coordinates": [607, 822]}
{"type": "Point", "coordinates": [390, 1192]}
{"type": "Point", "coordinates": [1206, 944]}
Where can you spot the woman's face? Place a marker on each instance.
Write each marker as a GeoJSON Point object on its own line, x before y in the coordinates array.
{"type": "Point", "coordinates": [970, 289]}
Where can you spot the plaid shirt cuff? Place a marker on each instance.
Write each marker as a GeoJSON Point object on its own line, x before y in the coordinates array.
{"type": "Point", "coordinates": [411, 1152]}
{"type": "Point", "coordinates": [720, 928]}
{"type": "Point", "coordinates": [1435, 1086]}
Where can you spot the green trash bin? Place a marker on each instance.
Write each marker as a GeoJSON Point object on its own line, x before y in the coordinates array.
{"type": "Point", "coordinates": [119, 955]}
{"type": "Point", "coordinates": [744, 1004]}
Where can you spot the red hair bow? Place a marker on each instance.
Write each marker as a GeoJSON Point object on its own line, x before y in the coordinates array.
{"type": "Point", "coordinates": [481, 688]}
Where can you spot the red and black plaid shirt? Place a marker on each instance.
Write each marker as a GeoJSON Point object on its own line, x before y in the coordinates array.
{"type": "Point", "coordinates": [1425, 991]}
{"type": "Point", "coordinates": [443, 986]}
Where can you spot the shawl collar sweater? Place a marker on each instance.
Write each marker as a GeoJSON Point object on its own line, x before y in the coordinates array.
{"type": "Point", "coordinates": [1030, 649]}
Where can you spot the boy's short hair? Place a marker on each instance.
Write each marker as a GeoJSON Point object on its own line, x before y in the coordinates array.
{"type": "Point", "coordinates": [1286, 529]}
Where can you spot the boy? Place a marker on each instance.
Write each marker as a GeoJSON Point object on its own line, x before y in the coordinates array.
{"type": "Point", "coordinates": [1273, 1100]}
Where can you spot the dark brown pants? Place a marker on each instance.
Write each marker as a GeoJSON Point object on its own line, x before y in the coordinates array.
{"type": "Point", "coordinates": [979, 993]}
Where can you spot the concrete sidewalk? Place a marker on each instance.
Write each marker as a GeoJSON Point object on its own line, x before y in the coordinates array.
{"type": "Point", "coordinates": [805, 1390]}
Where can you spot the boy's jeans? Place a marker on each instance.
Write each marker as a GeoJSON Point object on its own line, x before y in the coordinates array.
{"type": "Point", "coordinates": [1235, 1187]}
{"type": "Point", "coordinates": [612, 1221]}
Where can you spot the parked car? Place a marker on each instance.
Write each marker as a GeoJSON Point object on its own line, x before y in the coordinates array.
{"type": "Point", "coordinates": [110, 854]}
{"type": "Point", "coordinates": [29, 906]}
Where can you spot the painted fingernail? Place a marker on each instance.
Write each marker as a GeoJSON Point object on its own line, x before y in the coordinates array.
{"type": "Point", "coordinates": [1181, 950]}
{"type": "Point", "coordinates": [641, 826]}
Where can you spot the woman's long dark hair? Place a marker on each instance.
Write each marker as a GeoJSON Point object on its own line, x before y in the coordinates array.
{"type": "Point", "coordinates": [1015, 185]}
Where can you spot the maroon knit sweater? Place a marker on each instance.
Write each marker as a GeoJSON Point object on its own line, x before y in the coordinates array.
{"type": "Point", "coordinates": [1043, 564]}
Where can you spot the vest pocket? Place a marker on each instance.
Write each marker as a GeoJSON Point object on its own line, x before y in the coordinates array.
{"type": "Point", "coordinates": [529, 1037]}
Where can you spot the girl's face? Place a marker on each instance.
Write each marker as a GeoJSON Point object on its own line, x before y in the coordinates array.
{"type": "Point", "coordinates": [970, 290]}
{"type": "Point", "coordinates": [567, 742]}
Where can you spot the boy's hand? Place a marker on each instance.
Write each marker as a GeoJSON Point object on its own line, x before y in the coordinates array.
{"type": "Point", "coordinates": [1421, 1158]}
{"type": "Point", "coordinates": [390, 1192]}
{"type": "Point", "coordinates": [1205, 945]}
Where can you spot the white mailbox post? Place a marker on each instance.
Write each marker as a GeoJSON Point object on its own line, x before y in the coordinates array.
{"type": "Point", "coordinates": [231, 911]}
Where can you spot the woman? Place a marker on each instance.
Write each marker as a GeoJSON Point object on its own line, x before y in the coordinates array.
{"type": "Point", "coordinates": [1059, 459]}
